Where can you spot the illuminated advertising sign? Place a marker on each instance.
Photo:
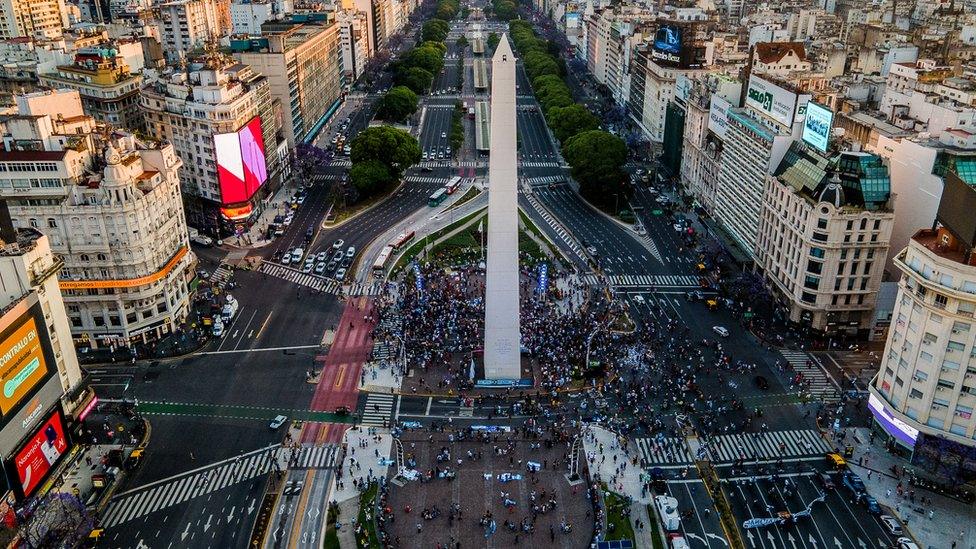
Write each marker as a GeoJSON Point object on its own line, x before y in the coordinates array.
{"type": "Point", "coordinates": [42, 451]}
{"type": "Point", "coordinates": [667, 45]}
{"type": "Point", "coordinates": [28, 416]}
{"type": "Point", "coordinates": [241, 167]}
{"type": "Point", "coordinates": [718, 116]}
{"type": "Point", "coordinates": [771, 100]}
{"type": "Point", "coordinates": [894, 426]}
{"type": "Point", "coordinates": [23, 365]}
{"type": "Point", "coordinates": [817, 124]}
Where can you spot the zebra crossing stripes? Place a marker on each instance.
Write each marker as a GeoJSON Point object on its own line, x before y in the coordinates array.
{"type": "Point", "coordinates": [541, 164]}
{"type": "Point", "coordinates": [181, 488]}
{"type": "Point", "coordinates": [343, 162]}
{"type": "Point", "coordinates": [821, 386]}
{"type": "Point", "coordinates": [425, 179]}
{"type": "Point", "coordinates": [310, 280]}
{"type": "Point", "coordinates": [545, 180]}
{"type": "Point", "coordinates": [671, 451]}
{"type": "Point", "coordinates": [797, 444]}
{"type": "Point", "coordinates": [674, 281]}
{"type": "Point", "coordinates": [378, 410]}
{"type": "Point", "coordinates": [221, 275]}
{"type": "Point", "coordinates": [382, 351]}
{"type": "Point", "coordinates": [555, 225]}
{"type": "Point", "coordinates": [358, 289]}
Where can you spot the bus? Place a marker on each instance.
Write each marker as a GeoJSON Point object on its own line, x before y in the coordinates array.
{"type": "Point", "coordinates": [436, 199]}
{"type": "Point", "coordinates": [453, 185]}
{"type": "Point", "coordinates": [380, 266]}
{"type": "Point", "coordinates": [402, 239]}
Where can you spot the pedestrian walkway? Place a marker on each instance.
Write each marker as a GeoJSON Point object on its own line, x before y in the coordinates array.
{"type": "Point", "coordinates": [821, 386]}
{"type": "Point", "coordinates": [378, 411]}
{"type": "Point", "coordinates": [544, 180]}
{"type": "Point", "coordinates": [428, 179]}
{"type": "Point", "coordinates": [541, 165]}
{"type": "Point", "coordinates": [672, 281]}
{"type": "Point", "coordinates": [664, 451]}
{"type": "Point", "coordinates": [221, 276]}
{"type": "Point", "coordinates": [604, 467]}
{"type": "Point", "coordinates": [795, 445]}
{"type": "Point", "coordinates": [161, 494]}
{"type": "Point", "coordinates": [367, 457]}
{"type": "Point", "coordinates": [309, 280]}
{"type": "Point", "coordinates": [939, 523]}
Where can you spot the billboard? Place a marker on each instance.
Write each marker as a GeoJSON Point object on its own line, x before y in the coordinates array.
{"type": "Point", "coordinates": [24, 356]}
{"type": "Point", "coordinates": [42, 451]}
{"type": "Point", "coordinates": [25, 420]}
{"type": "Point", "coordinates": [682, 88]}
{"type": "Point", "coordinates": [816, 126]}
{"type": "Point", "coordinates": [241, 167]}
{"type": "Point", "coordinates": [894, 426]}
{"type": "Point", "coordinates": [718, 116]}
{"type": "Point", "coordinates": [773, 101]}
{"type": "Point", "coordinates": [667, 45]}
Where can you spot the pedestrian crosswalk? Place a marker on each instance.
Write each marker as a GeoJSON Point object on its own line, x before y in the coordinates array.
{"type": "Point", "coordinates": [799, 444]}
{"type": "Point", "coordinates": [165, 493]}
{"type": "Point", "coordinates": [545, 180]}
{"type": "Point", "coordinates": [316, 282]}
{"type": "Point", "coordinates": [343, 162]}
{"type": "Point", "coordinates": [794, 445]}
{"type": "Point", "coordinates": [358, 289]}
{"type": "Point", "coordinates": [378, 410]}
{"type": "Point", "coordinates": [555, 225]}
{"type": "Point", "coordinates": [664, 451]}
{"type": "Point", "coordinates": [428, 179]}
{"type": "Point", "coordinates": [220, 276]}
{"type": "Point", "coordinates": [383, 351]}
{"type": "Point", "coordinates": [329, 177]}
{"type": "Point", "coordinates": [542, 165]}
{"type": "Point", "coordinates": [673, 281]}
{"type": "Point", "coordinates": [820, 385]}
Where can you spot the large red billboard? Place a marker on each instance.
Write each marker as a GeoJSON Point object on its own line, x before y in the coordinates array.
{"type": "Point", "coordinates": [241, 167]}
{"type": "Point", "coordinates": [41, 453]}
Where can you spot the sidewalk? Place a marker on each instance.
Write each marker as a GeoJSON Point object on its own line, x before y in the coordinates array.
{"type": "Point", "coordinates": [256, 235]}
{"type": "Point", "coordinates": [361, 463]}
{"type": "Point", "coordinates": [936, 524]}
{"type": "Point", "coordinates": [604, 466]}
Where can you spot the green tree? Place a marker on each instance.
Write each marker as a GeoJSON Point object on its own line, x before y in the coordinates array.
{"type": "Point", "coordinates": [505, 9]}
{"type": "Point", "coordinates": [398, 104]}
{"type": "Point", "coordinates": [427, 56]}
{"type": "Point", "coordinates": [395, 148]}
{"type": "Point", "coordinates": [566, 122]}
{"type": "Point", "coordinates": [417, 79]}
{"type": "Point", "coordinates": [435, 30]}
{"type": "Point", "coordinates": [539, 64]}
{"type": "Point", "coordinates": [597, 158]}
{"type": "Point", "coordinates": [370, 177]}
{"type": "Point", "coordinates": [492, 42]}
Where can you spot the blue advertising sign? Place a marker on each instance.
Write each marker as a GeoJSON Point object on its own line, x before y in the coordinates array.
{"type": "Point", "coordinates": [502, 383]}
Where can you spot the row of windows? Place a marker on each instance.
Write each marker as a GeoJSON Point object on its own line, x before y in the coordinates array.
{"type": "Point", "coordinates": [28, 166]}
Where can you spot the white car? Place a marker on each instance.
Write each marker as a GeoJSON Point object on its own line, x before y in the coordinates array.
{"type": "Point", "coordinates": [721, 330]}
{"type": "Point", "coordinates": [278, 421]}
{"type": "Point", "coordinates": [320, 268]}
{"type": "Point", "coordinates": [891, 524]}
{"type": "Point", "coordinates": [639, 299]}
{"type": "Point", "coordinates": [308, 266]}
{"type": "Point", "coordinates": [667, 510]}
{"type": "Point", "coordinates": [288, 219]}
{"type": "Point", "coordinates": [297, 255]}
{"type": "Point", "coordinates": [661, 200]}
{"type": "Point", "coordinates": [286, 259]}
{"type": "Point", "coordinates": [443, 135]}
{"type": "Point", "coordinates": [907, 543]}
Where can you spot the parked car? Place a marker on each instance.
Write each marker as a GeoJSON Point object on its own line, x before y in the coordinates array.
{"type": "Point", "coordinates": [891, 524]}
{"type": "Point", "coordinates": [338, 244]}
{"type": "Point", "coordinates": [351, 251]}
{"type": "Point", "coordinates": [320, 267]}
{"type": "Point", "coordinates": [836, 460]}
{"type": "Point", "coordinates": [871, 504]}
{"type": "Point", "coordinates": [853, 483]}
{"type": "Point", "coordinates": [340, 273]}
{"type": "Point", "coordinates": [907, 543]}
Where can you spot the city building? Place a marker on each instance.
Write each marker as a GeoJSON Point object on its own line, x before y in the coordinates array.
{"type": "Point", "coordinates": [40, 372]}
{"type": "Point", "coordinates": [109, 90]}
{"type": "Point", "coordinates": [924, 395]}
{"type": "Point", "coordinates": [303, 65]}
{"type": "Point", "coordinates": [353, 43]}
{"type": "Point", "coordinates": [110, 205]}
{"type": "Point", "coordinates": [247, 16]}
{"type": "Point", "coordinates": [188, 25]}
{"type": "Point", "coordinates": [37, 19]}
{"type": "Point", "coordinates": [752, 149]}
{"type": "Point", "coordinates": [823, 237]}
{"type": "Point", "coordinates": [706, 121]}
{"type": "Point", "coordinates": [226, 126]}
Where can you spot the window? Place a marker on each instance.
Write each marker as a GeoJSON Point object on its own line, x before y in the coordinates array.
{"type": "Point", "coordinates": [941, 301]}
{"type": "Point", "coordinates": [819, 237]}
{"type": "Point", "coordinates": [915, 393]}
{"type": "Point", "coordinates": [821, 223]}
{"type": "Point", "coordinates": [807, 297]}
{"type": "Point", "coordinates": [817, 252]}
{"type": "Point", "coordinates": [52, 223]}
{"type": "Point", "coordinates": [850, 225]}
{"type": "Point", "coordinates": [920, 375]}
{"type": "Point", "coordinates": [840, 267]}
{"type": "Point", "coordinates": [864, 223]}
{"type": "Point", "coordinates": [811, 282]}
{"type": "Point", "coordinates": [935, 422]}
{"type": "Point", "coordinates": [955, 346]}
{"type": "Point", "coordinates": [33, 222]}
{"type": "Point", "coordinates": [843, 254]}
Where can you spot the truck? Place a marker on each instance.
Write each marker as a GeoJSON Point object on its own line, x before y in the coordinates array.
{"type": "Point", "coordinates": [198, 238]}
{"type": "Point", "coordinates": [229, 310]}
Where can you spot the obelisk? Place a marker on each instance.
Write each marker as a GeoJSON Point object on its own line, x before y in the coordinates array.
{"type": "Point", "coordinates": [502, 359]}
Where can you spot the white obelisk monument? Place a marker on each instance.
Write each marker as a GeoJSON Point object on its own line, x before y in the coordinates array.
{"type": "Point", "coordinates": [502, 359]}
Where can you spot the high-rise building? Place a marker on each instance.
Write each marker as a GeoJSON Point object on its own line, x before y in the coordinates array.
{"type": "Point", "coordinates": [353, 43]}
{"type": "Point", "coordinates": [303, 66]}
{"type": "Point", "coordinates": [924, 395]}
{"type": "Point", "coordinates": [247, 16]}
{"type": "Point", "coordinates": [823, 237]}
{"type": "Point", "coordinates": [226, 126]}
{"type": "Point", "coordinates": [109, 90]}
{"type": "Point", "coordinates": [191, 24]}
{"type": "Point", "coordinates": [110, 205]}
{"type": "Point", "coordinates": [709, 100]}
{"type": "Point", "coordinates": [38, 19]}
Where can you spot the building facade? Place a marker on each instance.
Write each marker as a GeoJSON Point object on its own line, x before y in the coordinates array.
{"type": "Point", "coordinates": [823, 238]}
{"type": "Point", "coordinates": [200, 112]}
{"type": "Point", "coordinates": [109, 90]}
{"type": "Point", "coordinates": [37, 19]}
{"type": "Point", "coordinates": [190, 24]}
{"type": "Point", "coordinates": [120, 229]}
{"type": "Point", "coordinates": [303, 65]}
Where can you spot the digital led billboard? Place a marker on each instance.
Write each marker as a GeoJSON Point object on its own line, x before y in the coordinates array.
{"type": "Point", "coordinates": [817, 126]}
{"type": "Point", "coordinates": [42, 451]}
{"type": "Point", "coordinates": [667, 45]}
{"type": "Point", "coordinates": [241, 167]}
{"type": "Point", "coordinates": [24, 364]}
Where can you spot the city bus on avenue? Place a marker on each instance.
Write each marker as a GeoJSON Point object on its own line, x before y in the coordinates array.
{"type": "Point", "coordinates": [438, 198]}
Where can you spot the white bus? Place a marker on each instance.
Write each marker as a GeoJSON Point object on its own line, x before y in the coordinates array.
{"type": "Point", "coordinates": [379, 267]}
{"type": "Point", "coordinates": [453, 184]}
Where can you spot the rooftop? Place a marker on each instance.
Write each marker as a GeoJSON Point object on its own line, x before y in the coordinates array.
{"type": "Point", "coordinates": [773, 52]}
{"type": "Point", "coordinates": [26, 238]}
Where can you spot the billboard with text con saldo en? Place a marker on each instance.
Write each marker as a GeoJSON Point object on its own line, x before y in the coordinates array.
{"type": "Point", "coordinates": [26, 358]}
{"type": "Point", "coordinates": [241, 165]}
